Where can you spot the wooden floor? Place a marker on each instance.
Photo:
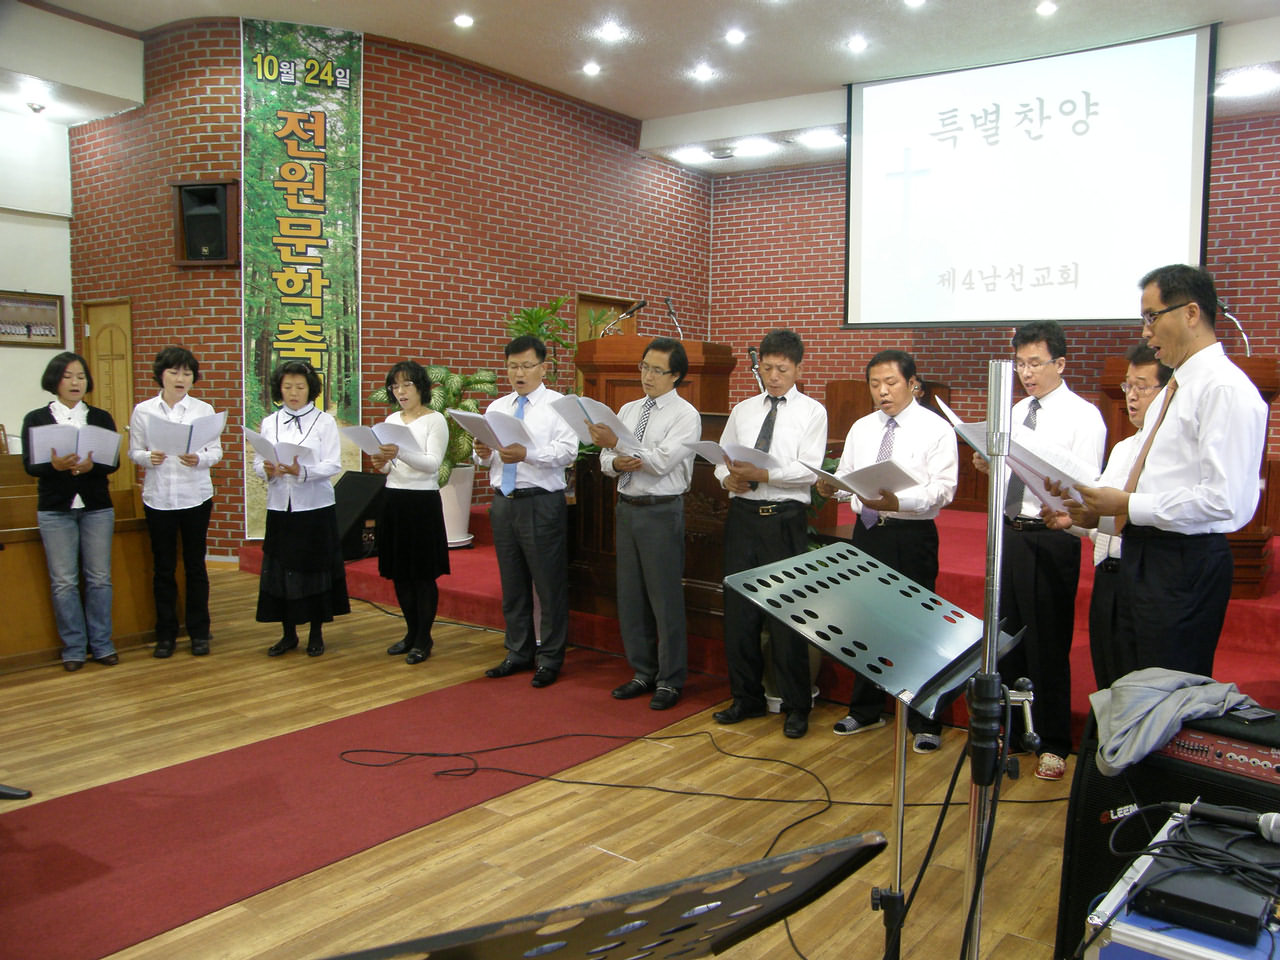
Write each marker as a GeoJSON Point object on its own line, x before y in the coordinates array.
{"type": "Point", "coordinates": [541, 846]}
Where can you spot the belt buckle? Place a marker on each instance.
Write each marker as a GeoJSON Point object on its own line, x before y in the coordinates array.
{"type": "Point", "coordinates": [768, 509]}
{"type": "Point", "coordinates": [881, 520]}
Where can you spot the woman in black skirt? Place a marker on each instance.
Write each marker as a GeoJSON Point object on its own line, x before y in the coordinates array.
{"type": "Point", "coordinates": [412, 547]}
{"type": "Point", "coordinates": [303, 579]}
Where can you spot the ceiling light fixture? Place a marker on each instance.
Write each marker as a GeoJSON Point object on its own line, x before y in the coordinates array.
{"type": "Point", "coordinates": [611, 32]}
{"type": "Point", "coordinates": [824, 138]}
{"type": "Point", "coordinates": [35, 107]}
{"type": "Point", "coordinates": [914, 3]}
{"type": "Point", "coordinates": [691, 155]}
{"type": "Point", "coordinates": [857, 43]}
{"type": "Point", "coordinates": [591, 68]}
{"type": "Point", "coordinates": [702, 73]}
{"type": "Point", "coordinates": [722, 153]}
{"type": "Point", "coordinates": [1047, 8]}
{"type": "Point", "coordinates": [463, 20]}
{"type": "Point", "coordinates": [1248, 82]}
{"type": "Point", "coordinates": [735, 36]}
{"type": "Point", "coordinates": [754, 147]}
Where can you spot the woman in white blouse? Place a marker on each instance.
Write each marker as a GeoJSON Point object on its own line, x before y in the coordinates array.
{"type": "Point", "coordinates": [303, 579]}
{"type": "Point", "coordinates": [177, 496]}
{"type": "Point", "coordinates": [413, 549]}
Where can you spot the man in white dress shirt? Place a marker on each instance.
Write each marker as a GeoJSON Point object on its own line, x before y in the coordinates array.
{"type": "Point", "coordinates": [1040, 566]}
{"type": "Point", "coordinates": [649, 524]}
{"type": "Point", "coordinates": [1195, 479]}
{"type": "Point", "coordinates": [898, 529]}
{"type": "Point", "coordinates": [530, 518]}
{"type": "Point", "coordinates": [768, 522]}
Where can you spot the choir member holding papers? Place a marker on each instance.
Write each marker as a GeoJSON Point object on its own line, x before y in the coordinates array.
{"type": "Point", "coordinates": [413, 549]}
{"type": "Point", "coordinates": [298, 450]}
{"type": "Point", "coordinates": [174, 437]}
{"type": "Point", "coordinates": [71, 448]}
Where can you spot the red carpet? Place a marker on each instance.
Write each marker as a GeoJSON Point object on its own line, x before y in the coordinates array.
{"type": "Point", "coordinates": [91, 873]}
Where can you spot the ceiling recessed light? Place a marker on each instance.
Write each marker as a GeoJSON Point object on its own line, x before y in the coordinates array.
{"type": "Point", "coordinates": [702, 73]}
{"type": "Point", "coordinates": [722, 153]}
{"type": "Point", "coordinates": [857, 43]}
{"type": "Point", "coordinates": [735, 36]}
{"type": "Point", "coordinates": [1248, 82]}
{"type": "Point", "coordinates": [691, 155]}
{"type": "Point", "coordinates": [754, 147]}
{"type": "Point", "coordinates": [824, 138]}
{"type": "Point", "coordinates": [35, 107]}
{"type": "Point", "coordinates": [591, 68]}
{"type": "Point", "coordinates": [610, 32]}
{"type": "Point", "coordinates": [1047, 8]}
{"type": "Point", "coordinates": [463, 20]}
{"type": "Point", "coordinates": [914, 3]}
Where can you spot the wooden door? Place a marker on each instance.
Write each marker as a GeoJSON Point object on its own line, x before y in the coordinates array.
{"type": "Point", "coordinates": [108, 347]}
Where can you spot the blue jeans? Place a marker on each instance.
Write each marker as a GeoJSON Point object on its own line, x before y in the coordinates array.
{"type": "Point", "coordinates": [72, 539]}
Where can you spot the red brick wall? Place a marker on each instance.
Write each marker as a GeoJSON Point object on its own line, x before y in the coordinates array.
{"type": "Point", "coordinates": [481, 195]}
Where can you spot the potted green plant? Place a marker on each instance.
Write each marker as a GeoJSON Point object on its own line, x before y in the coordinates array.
{"type": "Point", "coordinates": [457, 472]}
{"type": "Point", "coordinates": [547, 325]}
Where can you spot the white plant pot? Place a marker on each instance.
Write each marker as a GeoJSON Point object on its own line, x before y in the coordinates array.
{"type": "Point", "coordinates": [456, 500]}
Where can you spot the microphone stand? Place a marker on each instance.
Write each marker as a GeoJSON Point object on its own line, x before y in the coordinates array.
{"type": "Point", "coordinates": [671, 312]}
{"type": "Point", "coordinates": [631, 311]}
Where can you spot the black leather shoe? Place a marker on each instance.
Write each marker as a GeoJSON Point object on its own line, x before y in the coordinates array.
{"type": "Point", "coordinates": [505, 669]}
{"type": "Point", "coordinates": [397, 648]}
{"type": "Point", "coordinates": [200, 646]}
{"type": "Point", "coordinates": [737, 713]}
{"type": "Point", "coordinates": [417, 655]}
{"type": "Point", "coordinates": [71, 666]}
{"type": "Point", "coordinates": [315, 648]}
{"type": "Point", "coordinates": [163, 650]}
{"type": "Point", "coordinates": [797, 725]}
{"type": "Point", "coordinates": [632, 688]}
{"type": "Point", "coordinates": [283, 645]}
{"type": "Point", "coordinates": [110, 660]}
{"type": "Point", "coordinates": [664, 698]}
{"type": "Point", "coordinates": [543, 677]}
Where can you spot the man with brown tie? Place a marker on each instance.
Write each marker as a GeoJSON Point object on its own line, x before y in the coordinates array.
{"type": "Point", "coordinates": [768, 522]}
{"type": "Point", "coordinates": [1195, 479]}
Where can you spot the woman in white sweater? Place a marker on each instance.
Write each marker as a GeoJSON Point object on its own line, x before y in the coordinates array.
{"type": "Point", "coordinates": [413, 549]}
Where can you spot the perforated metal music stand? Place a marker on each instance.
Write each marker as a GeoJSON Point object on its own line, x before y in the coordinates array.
{"type": "Point", "coordinates": [688, 918]}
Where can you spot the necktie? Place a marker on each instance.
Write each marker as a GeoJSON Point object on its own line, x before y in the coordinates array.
{"type": "Point", "coordinates": [869, 516]}
{"type": "Point", "coordinates": [508, 485]}
{"type": "Point", "coordinates": [649, 404]}
{"type": "Point", "coordinates": [1136, 470]}
{"type": "Point", "coordinates": [764, 439]}
{"type": "Point", "coordinates": [1013, 500]}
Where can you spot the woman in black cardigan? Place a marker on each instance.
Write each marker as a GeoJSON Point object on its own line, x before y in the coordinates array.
{"type": "Point", "coordinates": [75, 516]}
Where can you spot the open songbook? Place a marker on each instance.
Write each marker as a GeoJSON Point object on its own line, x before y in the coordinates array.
{"type": "Point", "coordinates": [61, 439]}
{"type": "Point", "coordinates": [175, 439]}
{"type": "Point", "coordinates": [868, 481]}
{"type": "Point", "coordinates": [494, 429]}
{"type": "Point", "coordinates": [717, 454]}
{"type": "Point", "coordinates": [1033, 459]}
{"type": "Point", "coordinates": [278, 453]}
{"type": "Point", "coordinates": [580, 412]}
{"type": "Point", "coordinates": [370, 439]}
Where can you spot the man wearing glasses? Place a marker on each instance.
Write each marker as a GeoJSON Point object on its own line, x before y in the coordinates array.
{"type": "Point", "coordinates": [530, 519]}
{"type": "Point", "coordinates": [1040, 565]}
{"type": "Point", "coordinates": [649, 524]}
{"type": "Point", "coordinates": [1195, 479]}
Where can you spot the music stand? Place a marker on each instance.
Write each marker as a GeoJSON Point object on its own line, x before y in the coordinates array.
{"type": "Point", "coordinates": [905, 639]}
{"type": "Point", "coordinates": [694, 917]}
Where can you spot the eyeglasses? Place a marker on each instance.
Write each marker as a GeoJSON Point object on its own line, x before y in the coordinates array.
{"type": "Point", "coordinates": [1149, 317]}
{"type": "Point", "coordinates": [1128, 388]}
{"type": "Point", "coordinates": [656, 371]}
{"type": "Point", "coordinates": [513, 367]}
{"type": "Point", "coordinates": [1030, 366]}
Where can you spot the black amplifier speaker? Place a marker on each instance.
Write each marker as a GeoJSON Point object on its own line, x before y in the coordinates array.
{"type": "Point", "coordinates": [1223, 761]}
{"type": "Point", "coordinates": [358, 502]}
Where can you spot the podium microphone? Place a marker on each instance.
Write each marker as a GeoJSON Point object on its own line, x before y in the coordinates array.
{"type": "Point", "coordinates": [1266, 825]}
{"type": "Point", "coordinates": [632, 310]}
{"type": "Point", "coordinates": [671, 312]}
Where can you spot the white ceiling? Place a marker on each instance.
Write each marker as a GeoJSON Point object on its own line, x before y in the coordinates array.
{"type": "Point", "coordinates": [792, 47]}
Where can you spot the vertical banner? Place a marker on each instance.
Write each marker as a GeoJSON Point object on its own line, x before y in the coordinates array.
{"type": "Point", "coordinates": [301, 217]}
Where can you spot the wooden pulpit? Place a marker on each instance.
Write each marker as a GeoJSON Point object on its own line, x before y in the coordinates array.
{"type": "Point", "coordinates": [610, 374]}
{"type": "Point", "coordinates": [1249, 545]}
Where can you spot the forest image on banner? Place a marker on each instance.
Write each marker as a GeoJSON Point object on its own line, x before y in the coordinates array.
{"type": "Point", "coordinates": [301, 216]}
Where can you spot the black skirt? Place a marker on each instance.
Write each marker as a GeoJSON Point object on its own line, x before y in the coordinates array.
{"type": "Point", "coordinates": [412, 544]}
{"type": "Point", "coordinates": [303, 578]}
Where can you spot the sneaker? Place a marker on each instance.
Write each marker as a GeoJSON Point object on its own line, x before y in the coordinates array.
{"type": "Point", "coordinates": [1051, 767]}
{"type": "Point", "coordinates": [926, 742]}
{"type": "Point", "coordinates": [851, 725]}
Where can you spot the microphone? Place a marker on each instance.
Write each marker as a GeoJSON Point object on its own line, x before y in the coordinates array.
{"type": "Point", "coordinates": [755, 367]}
{"type": "Point", "coordinates": [1266, 825]}
{"type": "Point", "coordinates": [671, 312]}
{"type": "Point", "coordinates": [632, 310]}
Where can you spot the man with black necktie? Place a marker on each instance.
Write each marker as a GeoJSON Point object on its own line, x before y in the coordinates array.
{"type": "Point", "coordinates": [1040, 566]}
{"type": "Point", "coordinates": [530, 519]}
{"type": "Point", "coordinates": [649, 524]}
{"type": "Point", "coordinates": [1195, 479]}
{"type": "Point", "coordinates": [898, 529]}
{"type": "Point", "coordinates": [768, 522]}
